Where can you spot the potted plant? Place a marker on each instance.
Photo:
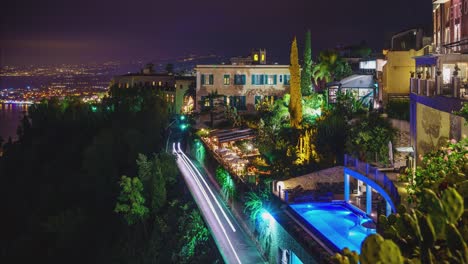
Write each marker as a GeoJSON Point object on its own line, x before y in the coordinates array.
{"type": "Point", "coordinates": [419, 74]}
{"type": "Point", "coordinates": [412, 74]}
{"type": "Point", "coordinates": [428, 75]}
{"type": "Point", "coordinates": [438, 72]}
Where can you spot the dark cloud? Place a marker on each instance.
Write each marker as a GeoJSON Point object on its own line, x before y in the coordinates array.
{"type": "Point", "coordinates": [68, 31]}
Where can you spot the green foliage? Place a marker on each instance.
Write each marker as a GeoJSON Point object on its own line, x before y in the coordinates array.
{"type": "Point", "coordinates": [375, 249]}
{"type": "Point", "coordinates": [195, 235]}
{"type": "Point", "coordinates": [348, 257]}
{"type": "Point", "coordinates": [330, 67]}
{"type": "Point", "coordinates": [332, 132]}
{"type": "Point", "coordinates": [228, 188]}
{"type": "Point", "coordinates": [214, 105]}
{"type": "Point", "coordinates": [306, 75]}
{"type": "Point", "coordinates": [231, 114]}
{"type": "Point", "coordinates": [131, 203]}
{"type": "Point", "coordinates": [369, 137]}
{"type": "Point", "coordinates": [399, 109]}
{"type": "Point", "coordinates": [439, 169]}
{"type": "Point", "coordinates": [295, 105]}
{"type": "Point", "coordinates": [347, 105]}
{"type": "Point", "coordinates": [255, 203]}
{"type": "Point", "coordinates": [312, 108]}
{"type": "Point", "coordinates": [67, 166]}
{"type": "Point", "coordinates": [463, 112]}
{"type": "Point", "coordinates": [431, 233]}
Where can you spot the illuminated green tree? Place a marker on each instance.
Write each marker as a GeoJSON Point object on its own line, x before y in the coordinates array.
{"type": "Point", "coordinates": [131, 203]}
{"type": "Point", "coordinates": [295, 104]}
{"type": "Point", "coordinates": [331, 67]}
{"type": "Point", "coordinates": [306, 76]}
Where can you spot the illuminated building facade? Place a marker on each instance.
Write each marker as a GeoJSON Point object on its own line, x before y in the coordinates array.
{"type": "Point", "coordinates": [243, 83]}
{"type": "Point", "coordinates": [440, 86]}
{"type": "Point", "coordinates": [173, 88]}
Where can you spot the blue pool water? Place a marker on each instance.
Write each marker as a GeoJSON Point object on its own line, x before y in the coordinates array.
{"type": "Point", "coordinates": [337, 221]}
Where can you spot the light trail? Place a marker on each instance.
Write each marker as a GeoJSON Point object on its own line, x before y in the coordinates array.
{"type": "Point", "coordinates": [209, 189]}
{"type": "Point", "coordinates": [191, 170]}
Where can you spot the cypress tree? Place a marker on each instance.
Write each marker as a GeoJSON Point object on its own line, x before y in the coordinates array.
{"type": "Point", "coordinates": [306, 76]}
{"type": "Point", "coordinates": [295, 104]}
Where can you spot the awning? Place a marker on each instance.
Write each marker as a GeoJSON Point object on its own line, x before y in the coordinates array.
{"type": "Point", "coordinates": [425, 61]}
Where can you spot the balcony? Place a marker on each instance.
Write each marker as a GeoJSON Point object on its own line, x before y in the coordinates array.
{"type": "Point", "coordinates": [436, 86]}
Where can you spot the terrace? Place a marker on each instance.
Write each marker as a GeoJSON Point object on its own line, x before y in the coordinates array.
{"type": "Point", "coordinates": [233, 149]}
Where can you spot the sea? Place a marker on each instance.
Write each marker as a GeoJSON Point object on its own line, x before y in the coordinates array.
{"type": "Point", "coordinates": [10, 118]}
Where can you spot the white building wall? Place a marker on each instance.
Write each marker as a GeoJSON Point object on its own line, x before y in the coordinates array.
{"type": "Point", "coordinates": [248, 90]}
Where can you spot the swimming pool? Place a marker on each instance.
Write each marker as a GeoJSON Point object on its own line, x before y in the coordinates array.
{"type": "Point", "coordinates": [338, 222]}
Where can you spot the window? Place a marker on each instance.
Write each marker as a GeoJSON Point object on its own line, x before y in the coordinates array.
{"type": "Point", "coordinates": [205, 102]}
{"type": "Point", "coordinates": [210, 79]}
{"type": "Point", "coordinates": [239, 79]}
{"type": "Point", "coordinates": [255, 57]}
{"type": "Point", "coordinates": [257, 79]}
{"type": "Point", "coordinates": [258, 99]}
{"type": "Point", "coordinates": [270, 79]}
{"type": "Point", "coordinates": [281, 78]}
{"type": "Point", "coordinates": [227, 79]}
{"type": "Point", "coordinates": [287, 78]}
{"type": "Point", "coordinates": [207, 79]}
{"type": "Point", "coordinates": [159, 83]}
{"type": "Point", "coordinates": [236, 101]}
{"type": "Point", "coordinates": [154, 83]}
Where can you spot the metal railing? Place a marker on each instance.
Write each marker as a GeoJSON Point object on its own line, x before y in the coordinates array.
{"type": "Point", "coordinates": [375, 175]}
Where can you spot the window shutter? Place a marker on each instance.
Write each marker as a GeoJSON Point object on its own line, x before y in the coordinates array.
{"type": "Point", "coordinates": [274, 79]}
{"type": "Point", "coordinates": [203, 79]}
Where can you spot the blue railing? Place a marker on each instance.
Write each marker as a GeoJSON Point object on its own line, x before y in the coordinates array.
{"type": "Point", "coordinates": [374, 174]}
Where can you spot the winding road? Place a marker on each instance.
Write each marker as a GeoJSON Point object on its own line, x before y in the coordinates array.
{"type": "Point", "coordinates": [235, 246]}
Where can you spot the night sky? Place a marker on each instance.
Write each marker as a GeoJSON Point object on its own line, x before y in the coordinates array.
{"type": "Point", "coordinates": [62, 31]}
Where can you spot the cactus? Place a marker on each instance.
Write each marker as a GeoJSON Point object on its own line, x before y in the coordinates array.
{"type": "Point", "coordinates": [427, 231]}
{"type": "Point", "coordinates": [453, 205]}
{"type": "Point", "coordinates": [431, 235]}
{"type": "Point", "coordinates": [401, 209]}
{"type": "Point", "coordinates": [375, 249]}
{"type": "Point", "coordinates": [339, 259]}
{"type": "Point", "coordinates": [456, 243]}
{"type": "Point", "coordinates": [464, 225]}
{"type": "Point", "coordinates": [353, 256]}
{"type": "Point", "coordinates": [435, 209]}
{"type": "Point", "coordinates": [392, 219]}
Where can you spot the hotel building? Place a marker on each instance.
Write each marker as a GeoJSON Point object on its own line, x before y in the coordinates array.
{"type": "Point", "coordinates": [243, 83]}
{"type": "Point", "coordinates": [172, 87]}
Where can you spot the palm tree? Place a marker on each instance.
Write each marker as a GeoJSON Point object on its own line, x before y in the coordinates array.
{"type": "Point", "coordinates": [330, 67]}
{"type": "Point", "coordinates": [211, 97]}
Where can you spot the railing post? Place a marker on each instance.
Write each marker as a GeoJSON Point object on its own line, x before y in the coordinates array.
{"type": "Point", "coordinates": [368, 199]}
{"type": "Point", "coordinates": [346, 160]}
{"type": "Point", "coordinates": [286, 196]}
{"type": "Point", "coordinates": [356, 162]}
{"type": "Point", "coordinates": [388, 210]}
{"type": "Point", "coordinates": [367, 169]}
{"type": "Point", "coordinates": [346, 187]}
